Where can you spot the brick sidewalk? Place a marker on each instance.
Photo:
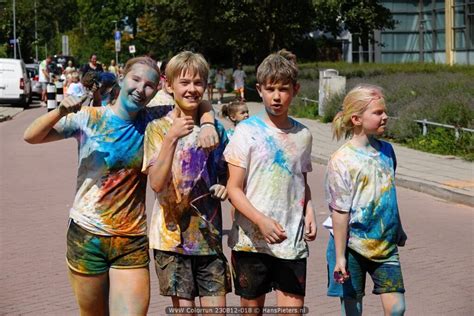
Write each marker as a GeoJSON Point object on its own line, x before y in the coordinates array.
{"type": "Point", "coordinates": [37, 184]}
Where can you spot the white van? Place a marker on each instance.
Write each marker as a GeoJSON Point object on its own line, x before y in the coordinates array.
{"type": "Point", "coordinates": [15, 85]}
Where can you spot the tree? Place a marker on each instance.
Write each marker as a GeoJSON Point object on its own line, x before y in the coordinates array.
{"type": "Point", "coordinates": [358, 17]}
{"type": "Point", "coordinates": [241, 28]}
{"type": "Point", "coordinates": [50, 24]}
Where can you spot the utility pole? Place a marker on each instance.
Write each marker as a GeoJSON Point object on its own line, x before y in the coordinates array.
{"type": "Point", "coordinates": [14, 31]}
{"type": "Point", "coordinates": [36, 34]}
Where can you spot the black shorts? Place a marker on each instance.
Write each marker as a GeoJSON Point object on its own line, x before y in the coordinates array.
{"type": "Point", "coordinates": [257, 274]}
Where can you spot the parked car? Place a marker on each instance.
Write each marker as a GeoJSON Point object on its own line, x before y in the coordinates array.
{"type": "Point", "coordinates": [33, 73]}
{"type": "Point", "coordinates": [15, 85]}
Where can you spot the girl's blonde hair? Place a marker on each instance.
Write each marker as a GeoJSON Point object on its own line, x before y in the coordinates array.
{"type": "Point", "coordinates": [355, 102]}
{"type": "Point", "coordinates": [188, 61]}
{"type": "Point", "coordinates": [231, 108]}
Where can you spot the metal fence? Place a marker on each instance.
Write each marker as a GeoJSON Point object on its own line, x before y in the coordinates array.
{"type": "Point", "coordinates": [423, 122]}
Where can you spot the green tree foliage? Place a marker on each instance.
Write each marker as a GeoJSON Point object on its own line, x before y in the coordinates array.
{"type": "Point", "coordinates": [357, 16]}
{"type": "Point", "coordinates": [223, 30]}
{"type": "Point", "coordinates": [54, 18]}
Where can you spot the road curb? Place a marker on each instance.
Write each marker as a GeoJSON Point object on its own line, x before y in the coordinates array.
{"type": "Point", "coordinates": [5, 118]}
{"type": "Point", "coordinates": [431, 189]}
{"type": "Point", "coordinates": [8, 113]}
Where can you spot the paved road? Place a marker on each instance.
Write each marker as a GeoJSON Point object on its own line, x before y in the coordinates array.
{"type": "Point", "coordinates": [37, 186]}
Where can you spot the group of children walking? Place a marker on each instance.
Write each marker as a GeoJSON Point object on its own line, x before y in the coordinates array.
{"type": "Point", "coordinates": [193, 164]}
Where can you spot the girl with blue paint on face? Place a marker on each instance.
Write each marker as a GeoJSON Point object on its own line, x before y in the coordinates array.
{"type": "Point", "coordinates": [364, 223]}
{"type": "Point", "coordinates": [107, 246]}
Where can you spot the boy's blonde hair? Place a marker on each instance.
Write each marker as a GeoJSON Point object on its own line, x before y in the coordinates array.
{"type": "Point", "coordinates": [355, 102]}
{"type": "Point", "coordinates": [278, 67]}
{"type": "Point", "coordinates": [187, 61]}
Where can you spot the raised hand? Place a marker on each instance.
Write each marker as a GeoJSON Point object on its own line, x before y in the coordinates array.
{"type": "Point", "coordinates": [182, 125]}
{"type": "Point", "coordinates": [208, 138]}
{"type": "Point", "coordinates": [70, 104]}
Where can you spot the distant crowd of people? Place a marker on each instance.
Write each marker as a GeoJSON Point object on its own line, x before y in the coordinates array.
{"type": "Point", "coordinates": [100, 81]}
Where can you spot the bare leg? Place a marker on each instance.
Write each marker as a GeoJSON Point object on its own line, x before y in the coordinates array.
{"type": "Point", "coordinates": [182, 302]}
{"type": "Point", "coordinates": [393, 304]}
{"type": "Point", "coordinates": [213, 301]}
{"type": "Point", "coordinates": [91, 291]}
{"type": "Point", "coordinates": [351, 307]}
{"type": "Point", "coordinates": [289, 300]}
{"type": "Point", "coordinates": [129, 291]}
{"type": "Point", "coordinates": [256, 302]}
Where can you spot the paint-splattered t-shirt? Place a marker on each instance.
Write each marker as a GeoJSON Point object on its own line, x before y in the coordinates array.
{"type": "Point", "coordinates": [363, 183]}
{"type": "Point", "coordinates": [275, 161]}
{"type": "Point", "coordinates": [186, 219]}
{"type": "Point", "coordinates": [230, 132]}
{"type": "Point", "coordinates": [110, 191]}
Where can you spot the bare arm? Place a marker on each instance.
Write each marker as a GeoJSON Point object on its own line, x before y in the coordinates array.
{"type": "Point", "coordinates": [42, 129]}
{"type": "Point", "coordinates": [311, 225]}
{"type": "Point", "coordinates": [208, 138]}
{"type": "Point", "coordinates": [271, 230]}
{"type": "Point", "coordinates": [340, 224]}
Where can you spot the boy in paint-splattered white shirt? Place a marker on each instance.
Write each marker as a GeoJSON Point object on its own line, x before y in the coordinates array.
{"type": "Point", "coordinates": [269, 156]}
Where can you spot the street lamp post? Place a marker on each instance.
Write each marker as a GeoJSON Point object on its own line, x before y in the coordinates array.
{"type": "Point", "coordinates": [36, 34]}
{"type": "Point", "coordinates": [14, 31]}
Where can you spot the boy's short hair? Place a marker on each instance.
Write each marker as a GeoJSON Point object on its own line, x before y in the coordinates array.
{"type": "Point", "coordinates": [278, 67]}
{"type": "Point", "coordinates": [188, 61]}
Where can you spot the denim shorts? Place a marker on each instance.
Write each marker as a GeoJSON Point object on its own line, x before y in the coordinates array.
{"type": "Point", "coordinates": [387, 276]}
{"type": "Point", "coordinates": [188, 276]}
{"type": "Point", "coordinates": [258, 273]}
{"type": "Point", "coordinates": [88, 253]}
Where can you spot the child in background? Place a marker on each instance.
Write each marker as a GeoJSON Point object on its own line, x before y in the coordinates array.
{"type": "Point", "coordinates": [364, 223]}
{"type": "Point", "coordinates": [186, 225]}
{"type": "Point", "coordinates": [75, 88]}
{"type": "Point", "coordinates": [268, 158]}
{"type": "Point", "coordinates": [220, 84]}
{"type": "Point", "coordinates": [239, 82]}
{"type": "Point", "coordinates": [236, 112]}
{"type": "Point", "coordinates": [210, 83]}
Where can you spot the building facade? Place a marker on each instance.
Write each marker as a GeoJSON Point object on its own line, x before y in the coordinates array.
{"type": "Point", "coordinates": [440, 31]}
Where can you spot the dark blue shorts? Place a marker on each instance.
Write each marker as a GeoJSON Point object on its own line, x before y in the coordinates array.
{"type": "Point", "coordinates": [387, 276]}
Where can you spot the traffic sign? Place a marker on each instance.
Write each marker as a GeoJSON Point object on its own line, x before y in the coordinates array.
{"type": "Point", "coordinates": [117, 45]}
{"type": "Point", "coordinates": [117, 35]}
{"type": "Point", "coordinates": [131, 49]}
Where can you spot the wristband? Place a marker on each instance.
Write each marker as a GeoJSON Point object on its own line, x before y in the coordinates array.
{"type": "Point", "coordinates": [207, 124]}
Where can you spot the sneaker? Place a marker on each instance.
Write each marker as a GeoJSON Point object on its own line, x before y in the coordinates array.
{"type": "Point", "coordinates": [219, 102]}
{"type": "Point", "coordinates": [42, 103]}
